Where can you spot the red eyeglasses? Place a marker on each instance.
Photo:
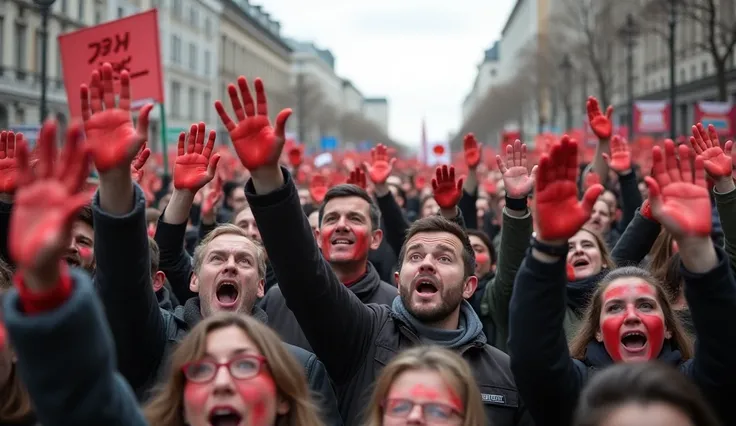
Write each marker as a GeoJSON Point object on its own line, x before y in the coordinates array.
{"type": "Point", "coordinates": [242, 367]}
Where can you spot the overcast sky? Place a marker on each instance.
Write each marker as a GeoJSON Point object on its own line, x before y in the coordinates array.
{"type": "Point", "coordinates": [421, 54]}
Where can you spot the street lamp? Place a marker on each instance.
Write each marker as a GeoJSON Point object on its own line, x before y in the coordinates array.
{"type": "Point", "coordinates": [566, 67]}
{"type": "Point", "coordinates": [629, 32]}
{"type": "Point", "coordinates": [300, 101]}
{"type": "Point", "coordinates": [45, 8]}
{"type": "Point", "coordinates": [673, 91]}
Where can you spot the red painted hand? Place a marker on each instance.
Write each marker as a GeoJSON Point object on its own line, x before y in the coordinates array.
{"type": "Point", "coordinates": [472, 150]}
{"type": "Point", "coordinates": [256, 142]}
{"type": "Point", "coordinates": [196, 166]}
{"type": "Point", "coordinates": [8, 165]}
{"type": "Point", "coordinates": [591, 178]}
{"type": "Point", "coordinates": [517, 180]}
{"type": "Point", "coordinates": [620, 158]}
{"type": "Point", "coordinates": [420, 182]}
{"type": "Point", "coordinates": [318, 187]}
{"type": "Point", "coordinates": [678, 197]}
{"type": "Point", "coordinates": [357, 177]}
{"type": "Point", "coordinates": [48, 200]}
{"type": "Point", "coordinates": [707, 145]}
{"type": "Point", "coordinates": [110, 133]}
{"type": "Point", "coordinates": [212, 196]}
{"type": "Point", "coordinates": [136, 168]}
{"type": "Point", "coordinates": [381, 166]}
{"type": "Point", "coordinates": [296, 155]}
{"type": "Point", "coordinates": [601, 124]}
{"type": "Point", "coordinates": [559, 215]}
{"type": "Point", "coordinates": [447, 191]}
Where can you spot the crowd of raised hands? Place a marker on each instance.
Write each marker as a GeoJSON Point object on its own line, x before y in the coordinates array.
{"type": "Point", "coordinates": [548, 278]}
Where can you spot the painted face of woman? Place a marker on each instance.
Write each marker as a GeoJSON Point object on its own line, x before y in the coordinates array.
{"type": "Point", "coordinates": [632, 324]}
{"type": "Point", "coordinates": [231, 384]}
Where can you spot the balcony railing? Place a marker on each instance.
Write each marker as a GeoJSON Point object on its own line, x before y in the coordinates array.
{"type": "Point", "coordinates": [29, 80]}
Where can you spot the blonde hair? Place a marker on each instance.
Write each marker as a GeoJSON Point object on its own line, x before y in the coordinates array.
{"type": "Point", "coordinates": [167, 406]}
{"type": "Point", "coordinates": [453, 369]}
{"type": "Point", "coordinates": [229, 229]}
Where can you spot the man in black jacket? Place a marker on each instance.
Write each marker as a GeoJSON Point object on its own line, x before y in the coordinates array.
{"type": "Point", "coordinates": [355, 340]}
{"type": "Point", "coordinates": [349, 227]}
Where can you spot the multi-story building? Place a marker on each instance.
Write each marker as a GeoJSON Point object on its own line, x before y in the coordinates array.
{"type": "Point", "coordinates": [485, 78]}
{"type": "Point", "coordinates": [376, 110]}
{"type": "Point", "coordinates": [251, 45]}
{"type": "Point", "coordinates": [21, 53]}
{"type": "Point", "coordinates": [352, 99]}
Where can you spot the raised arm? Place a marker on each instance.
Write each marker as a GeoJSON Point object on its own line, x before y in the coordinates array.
{"type": "Point", "coordinates": [548, 379]}
{"type": "Point", "coordinates": [336, 323]}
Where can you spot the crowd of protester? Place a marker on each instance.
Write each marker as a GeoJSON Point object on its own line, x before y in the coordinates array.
{"type": "Point", "coordinates": [559, 285]}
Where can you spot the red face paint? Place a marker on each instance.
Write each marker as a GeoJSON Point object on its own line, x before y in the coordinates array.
{"type": "Point", "coordinates": [482, 258]}
{"type": "Point", "coordinates": [614, 324]}
{"type": "Point", "coordinates": [2, 336]}
{"type": "Point", "coordinates": [85, 253]}
{"type": "Point", "coordinates": [256, 393]}
{"type": "Point", "coordinates": [357, 251]}
{"type": "Point", "coordinates": [427, 393]}
{"type": "Point", "coordinates": [196, 394]}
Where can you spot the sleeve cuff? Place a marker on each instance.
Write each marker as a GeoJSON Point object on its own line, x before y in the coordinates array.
{"type": "Point", "coordinates": [272, 198]}
{"type": "Point", "coordinates": [38, 302]}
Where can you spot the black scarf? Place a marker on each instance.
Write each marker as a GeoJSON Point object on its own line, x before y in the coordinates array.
{"type": "Point", "coordinates": [580, 291]}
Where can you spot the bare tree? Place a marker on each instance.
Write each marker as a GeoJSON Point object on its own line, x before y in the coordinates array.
{"type": "Point", "coordinates": [716, 19]}
{"type": "Point", "coordinates": [355, 128]}
{"type": "Point", "coordinates": [589, 33]}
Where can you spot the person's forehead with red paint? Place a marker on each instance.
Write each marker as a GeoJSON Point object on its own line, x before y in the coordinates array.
{"type": "Point", "coordinates": [347, 232]}
{"type": "Point", "coordinates": [632, 322]}
{"type": "Point", "coordinates": [422, 397]}
{"type": "Point", "coordinates": [215, 394]}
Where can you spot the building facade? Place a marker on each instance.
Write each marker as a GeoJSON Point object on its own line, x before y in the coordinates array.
{"type": "Point", "coordinates": [377, 111]}
{"type": "Point", "coordinates": [21, 52]}
{"type": "Point", "coordinates": [487, 76]}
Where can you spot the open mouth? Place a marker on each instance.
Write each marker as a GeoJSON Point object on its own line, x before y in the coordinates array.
{"type": "Point", "coordinates": [634, 341]}
{"type": "Point", "coordinates": [426, 286]}
{"type": "Point", "coordinates": [227, 293]}
{"type": "Point", "coordinates": [341, 242]}
{"type": "Point", "coordinates": [580, 263]}
{"type": "Point", "coordinates": [224, 417]}
{"type": "Point", "coordinates": [72, 261]}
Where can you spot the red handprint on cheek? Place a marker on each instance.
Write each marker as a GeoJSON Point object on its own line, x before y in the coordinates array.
{"type": "Point", "coordinates": [256, 142]}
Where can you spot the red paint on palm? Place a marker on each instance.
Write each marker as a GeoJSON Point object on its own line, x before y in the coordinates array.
{"type": "Point", "coordinates": [296, 155]}
{"type": "Point", "coordinates": [256, 142]}
{"type": "Point", "coordinates": [620, 158]}
{"type": "Point", "coordinates": [136, 168]}
{"type": "Point", "coordinates": [717, 163]}
{"type": "Point", "coordinates": [48, 199]}
{"type": "Point", "coordinates": [381, 165]}
{"type": "Point", "coordinates": [8, 166]}
{"type": "Point", "coordinates": [599, 123]}
{"type": "Point", "coordinates": [591, 178]}
{"type": "Point", "coordinates": [472, 150]}
{"type": "Point", "coordinates": [318, 188]}
{"type": "Point", "coordinates": [646, 210]}
{"type": "Point", "coordinates": [678, 193]}
{"type": "Point", "coordinates": [195, 165]}
{"type": "Point", "coordinates": [559, 215]}
{"type": "Point", "coordinates": [447, 191]}
{"type": "Point", "coordinates": [357, 177]}
{"type": "Point", "coordinates": [111, 136]}
{"type": "Point", "coordinates": [213, 196]}
{"type": "Point", "coordinates": [420, 182]}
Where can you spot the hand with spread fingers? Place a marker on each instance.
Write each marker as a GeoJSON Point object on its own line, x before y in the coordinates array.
{"type": "Point", "coordinates": [47, 201]}
{"type": "Point", "coordinates": [620, 158]}
{"type": "Point", "coordinates": [195, 164]}
{"type": "Point", "coordinates": [381, 165]}
{"type": "Point", "coordinates": [517, 180]}
{"type": "Point", "coordinates": [447, 191]}
{"type": "Point", "coordinates": [256, 142]}
{"type": "Point", "coordinates": [296, 155]}
{"type": "Point", "coordinates": [717, 163]}
{"type": "Point", "coordinates": [472, 150]}
{"type": "Point", "coordinates": [211, 197]}
{"type": "Point", "coordinates": [357, 177]}
{"type": "Point", "coordinates": [111, 136]}
{"type": "Point", "coordinates": [559, 214]}
{"type": "Point", "coordinates": [599, 123]}
{"type": "Point", "coordinates": [8, 162]}
{"type": "Point", "coordinates": [136, 168]}
{"type": "Point", "coordinates": [678, 194]}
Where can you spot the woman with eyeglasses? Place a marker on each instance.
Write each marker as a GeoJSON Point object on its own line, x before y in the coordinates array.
{"type": "Point", "coordinates": [233, 370]}
{"type": "Point", "coordinates": [426, 385]}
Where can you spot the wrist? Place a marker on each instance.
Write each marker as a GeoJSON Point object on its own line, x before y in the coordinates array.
{"type": "Point", "coordinates": [43, 289]}
{"type": "Point", "coordinates": [516, 204]}
{"type": "Point", "coordinates": [624, 172]}
{"type": "Point", "coordinates": [725, 185]}
{"type": "Point", "coordinates": [380, 189]}
{"type": "Point", "coordinates": [450, 213]}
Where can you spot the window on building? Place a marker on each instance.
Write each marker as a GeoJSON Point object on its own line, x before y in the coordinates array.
{"type": "Point", "coordinates": [37, 51]}
{"type": "Point", "coordinates": [120, 12]}
{"type": "Point", "coordinates": [80, 11]}
{"type": "Point", "coordinates": [176, 8]}
{"type": "Point", "coordinates": [682, 75]}
{"type": "Point", "coordinates": [21, 48]}
{"type": "Point", "coordinates": [175, 99]}
{"type": "Point", "coordinates": [2, 51]}
{"type": "Point", "coordinates": [207, 103]}
{"type": "Point", "coordinates": [193, 17]}
{"type": "Point", "coordinates": [705, 68]}
{"type": "Point", "coordinates": [208, 27]}
{"type": "Point", "coordinates": [192, 57]}
{"type": "Point", "coordinates": [192, 103]}
{"type": "Point", "coordinates": [693, 72]}
{"type": "Point", "coordinates": [20, 115]}
{"type": "Point", "coordinates": [98, 13]}
{"type": "Point", "coordinates": [207, 62]}
{"type": "Point", "coordinates": [64, 7]}
{"type": "Point", "coordinates": [175, 49]}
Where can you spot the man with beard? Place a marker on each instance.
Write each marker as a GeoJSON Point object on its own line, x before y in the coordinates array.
{"type": "Point", "coordinates": [355, 340]}
{"type": "Point", "coordinates": [349, 227]}
{"type": "Point", "coordinates": [228, 266]}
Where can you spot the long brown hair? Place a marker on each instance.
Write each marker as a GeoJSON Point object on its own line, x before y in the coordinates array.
{"type": "Point", "coordinates": [454, 371]}
{"type": "Point", "coordinates": [167, 407]}
{"type": "Point", "coordinates": [665, 266]}
{"type": "Point", "coordinates": [591, 319]}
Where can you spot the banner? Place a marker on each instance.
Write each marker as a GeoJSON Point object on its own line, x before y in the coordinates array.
{"type": "Point", "coordinates": [651, 117]}
{"type": "Point", "coordinates": [722, 115]}
{"type": "Point", "coordinates": [438, 153]}
{"type": "Point", "coordinates": [130, 44]}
